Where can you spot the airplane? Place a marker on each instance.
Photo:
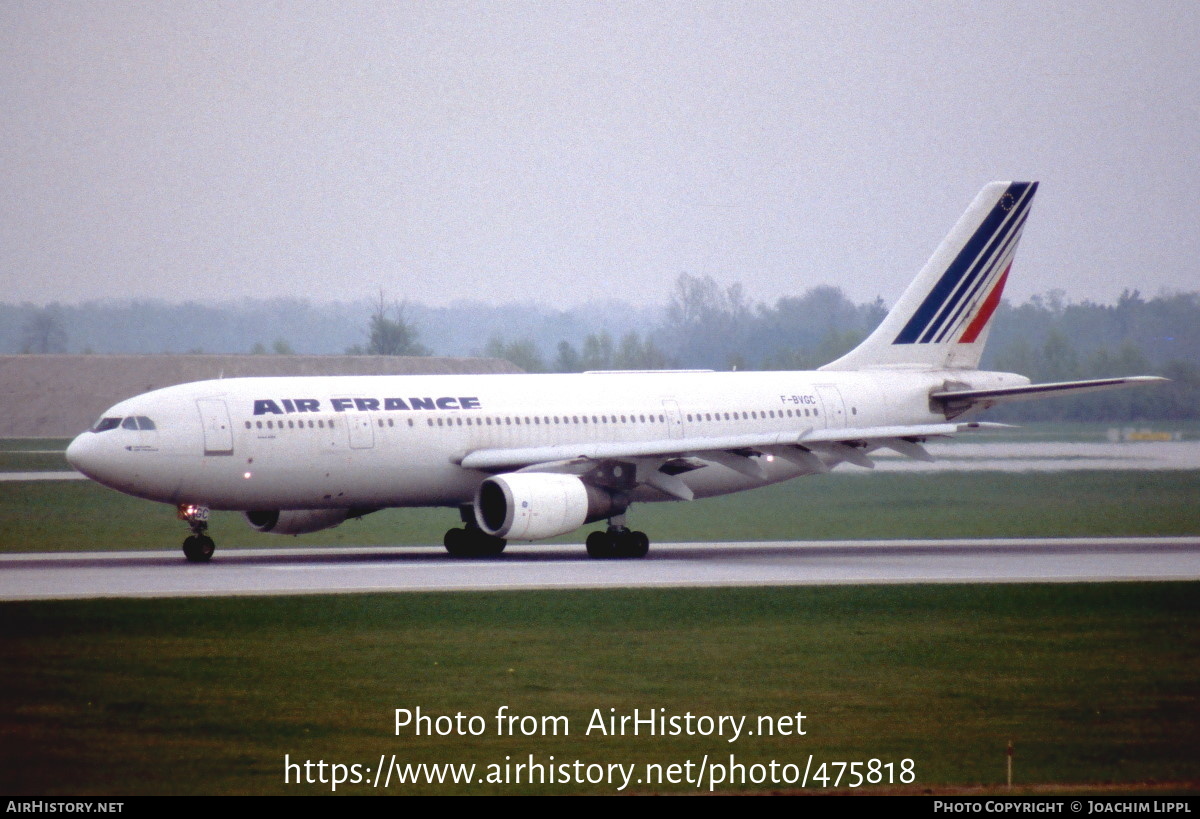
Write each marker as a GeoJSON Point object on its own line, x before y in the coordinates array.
{"type": "Point", "coordinates": [532, 456]}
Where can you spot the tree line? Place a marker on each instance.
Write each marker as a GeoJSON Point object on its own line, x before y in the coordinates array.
{"type": "Point", "coordinates": [702, 325]}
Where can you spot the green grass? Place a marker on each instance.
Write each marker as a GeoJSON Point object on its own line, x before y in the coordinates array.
{"type": "Point", "coordinates": [1093, 683]}
{"type": "Point", "coordinates": [26, 444]}
{"type": "Point", "coordinates": [79, 515]}
{"type": "Point", "coordinates": [33, 455]}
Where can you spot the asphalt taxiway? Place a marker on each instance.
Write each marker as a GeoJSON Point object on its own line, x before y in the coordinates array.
{"type": "Point", "coordinates": [428, 568]}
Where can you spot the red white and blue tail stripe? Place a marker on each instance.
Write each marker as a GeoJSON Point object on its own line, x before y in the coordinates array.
{"type": "Point", "coordinates": [942, 319]}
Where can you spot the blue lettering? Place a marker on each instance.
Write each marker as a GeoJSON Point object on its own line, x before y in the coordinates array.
{"type": "Point", "coordinates": [269, 406]}
{"type": "Point", "coordinates": [263, 406]}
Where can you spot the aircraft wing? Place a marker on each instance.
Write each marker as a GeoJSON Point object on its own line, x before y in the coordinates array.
{"type": "Point", "coordinates": [956, 402]}
{"type": "Point", "coordinates": [659, 462]}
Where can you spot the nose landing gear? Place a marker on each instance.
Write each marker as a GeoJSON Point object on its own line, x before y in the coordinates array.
{"type": "Point", "coordinates": [198, 547]}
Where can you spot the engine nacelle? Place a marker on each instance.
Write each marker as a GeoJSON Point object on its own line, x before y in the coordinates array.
{"type": "Point", "coordinates": [296, 521]}
{"type": "Point", "coordinates": [536, 505]}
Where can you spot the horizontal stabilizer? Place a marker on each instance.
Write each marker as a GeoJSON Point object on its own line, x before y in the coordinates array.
{"type": "Point", "coordinates": [956, 402]}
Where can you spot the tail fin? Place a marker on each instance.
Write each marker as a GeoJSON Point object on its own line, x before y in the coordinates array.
{"type": "Point", "coordinates": [942, 319]}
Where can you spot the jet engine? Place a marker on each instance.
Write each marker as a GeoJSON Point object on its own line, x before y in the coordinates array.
{"type": "Point", "coordinates": [296, 521]}
{"type": "Point", "coordinates": [536, 505]}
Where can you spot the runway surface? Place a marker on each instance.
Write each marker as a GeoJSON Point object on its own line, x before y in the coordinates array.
{"type": "Point", "coordinates": [790, 563]}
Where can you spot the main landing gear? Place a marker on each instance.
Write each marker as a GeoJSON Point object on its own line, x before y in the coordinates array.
{"type": "Point", "coordinates": [617, 541]}
{"type": "Point", "coordinates": [471, 541]}
{"type": "Point", "coordinates": [198, 547]}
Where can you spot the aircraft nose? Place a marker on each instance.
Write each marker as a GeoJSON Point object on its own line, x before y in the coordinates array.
{"type": "Point", "coordinates": [81, 454]}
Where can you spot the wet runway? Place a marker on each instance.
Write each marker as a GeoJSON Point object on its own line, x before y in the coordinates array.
{"type": "Point", "coordinates": [402, 569]}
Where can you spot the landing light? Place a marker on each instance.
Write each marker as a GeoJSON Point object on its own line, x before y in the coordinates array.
{"type": "Point", "coordinates": [246, 475]}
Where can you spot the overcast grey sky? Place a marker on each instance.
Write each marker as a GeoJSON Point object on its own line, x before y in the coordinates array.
{"type": "Point", "coordinates": [575, 151]}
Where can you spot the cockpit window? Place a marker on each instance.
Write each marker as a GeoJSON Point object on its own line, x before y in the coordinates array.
{"type": "Point", "coordinates": [129, 423]}
{"type": "Point", "coordinates": [105, 424]}
{"type": "Point", "coordinates": [137, 422]}
{"type": "Point", "coordinates": [144, 422]}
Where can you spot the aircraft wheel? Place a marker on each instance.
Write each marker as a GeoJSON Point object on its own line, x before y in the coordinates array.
{"type": "Point", "coordinates": [637, 544]}
{"type": "Point", "coordinates": [199, 548]}
{"type": "Point", "coordinates": [473, 543]}
{"type": "Point", "coordinates": [457, 543]}
{"type": "Point", "coordinates": [600, 545]}
{"type": "Point", "coordinates": [489, 545]}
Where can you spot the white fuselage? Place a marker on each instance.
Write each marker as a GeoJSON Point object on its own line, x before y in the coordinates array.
{"type": "Point", "coordinates": [385, 441]}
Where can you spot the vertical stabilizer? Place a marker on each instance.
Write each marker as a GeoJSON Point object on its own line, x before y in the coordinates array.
{"type": "Point", "coordinates": [942, 320]}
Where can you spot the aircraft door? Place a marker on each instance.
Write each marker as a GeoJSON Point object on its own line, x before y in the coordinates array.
{"type": "Point", "coordinates": [674, 418]}
{"type": "Point", "coordinates": [362, 433]}
{"type": "Point", "coordinates": [834, 407]}
{"type": "Point", "coordinates": [218, 432]}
